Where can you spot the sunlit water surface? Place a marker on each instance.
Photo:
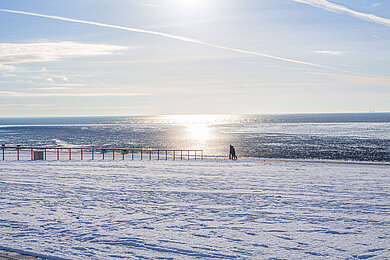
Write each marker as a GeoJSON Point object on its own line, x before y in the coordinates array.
{"type": "Point", "coordinates": [361, 137]}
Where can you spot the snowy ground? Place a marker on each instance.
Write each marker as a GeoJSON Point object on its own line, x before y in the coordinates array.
{"type": "Point", "coordinates": [194, 209]}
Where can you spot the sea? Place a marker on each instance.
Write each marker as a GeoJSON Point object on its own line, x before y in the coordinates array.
{"type": "Point", "coordinates": [340, 137]}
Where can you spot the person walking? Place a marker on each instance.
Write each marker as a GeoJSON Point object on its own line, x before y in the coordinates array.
{"type": "Point", "coordinates": [232, 153]}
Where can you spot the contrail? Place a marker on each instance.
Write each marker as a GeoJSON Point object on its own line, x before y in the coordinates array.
{"type": "Point", "coordinates": [166, 35]}
{"type": "Point", "coordinates": [336, 8]}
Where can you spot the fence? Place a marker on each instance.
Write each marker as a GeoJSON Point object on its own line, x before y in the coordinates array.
{"type": "Point", "coordinates": [82, 153]}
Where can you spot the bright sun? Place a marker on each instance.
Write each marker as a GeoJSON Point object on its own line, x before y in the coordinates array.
{"type": "Point", "coordinates": [191, 2]}
{"type": "Point", "coordinates": [192, 5]}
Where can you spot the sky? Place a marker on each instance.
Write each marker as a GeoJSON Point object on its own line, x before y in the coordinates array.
{"type": "Point", "coordinates": [153, 57]}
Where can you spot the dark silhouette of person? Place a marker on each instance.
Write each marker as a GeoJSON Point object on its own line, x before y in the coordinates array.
{"type": "Point", "coordinates": [232, 153]}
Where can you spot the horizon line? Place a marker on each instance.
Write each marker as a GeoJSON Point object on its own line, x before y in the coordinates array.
{"type": "Point", "coordinates": [203, 114]}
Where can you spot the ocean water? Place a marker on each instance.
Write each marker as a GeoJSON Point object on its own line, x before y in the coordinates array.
{"type": "Point", "coordinates": [349, 137]}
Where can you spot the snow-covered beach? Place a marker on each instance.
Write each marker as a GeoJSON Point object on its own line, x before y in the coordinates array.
{"type": "Point", "coordinates": [195, 209]}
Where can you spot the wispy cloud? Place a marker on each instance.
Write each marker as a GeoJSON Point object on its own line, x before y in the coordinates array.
{"type": "Point", "coordinates": [105, 94]}
{"type": "Point", "coordinates": [26, 105]}
{"type": "Point", "coordinates": [54, 88]}
{"type": "Point", "coordinates": [13, 53]}
{"type": "Point", "coordinates": [45, 76]}
{"type": "Point", "coordinates": [61, 86]}
{"type": "Point", "coordinates": [376, 4]}
{"type": "Point", "coordinates": [68, 84]}
{"type": "Point", "coordinates": [166, 35]}
{"type": "Point", "coordinates": [354, 79]}
{"type": "Point", "coordinates": [329, 52]}
{"type": "Point", "coordinates": [63, 77]}
{"type": "Point", "coordinates": [340, 9]}
{"type": "Point", "coordinates": [6, 67]}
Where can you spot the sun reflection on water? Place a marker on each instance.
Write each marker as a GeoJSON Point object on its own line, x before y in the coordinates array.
{"type": "Point", "coordinates": [199, 132]}
{"type": "Point", "coordinates": [198, 128]}
{"type": "Point", "coordinates": [210, 133]}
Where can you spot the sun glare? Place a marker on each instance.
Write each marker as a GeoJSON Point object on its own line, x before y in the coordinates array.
{"type": "Point", "coordinates": [192, 3]}
{"type": "Point", "coordinates": [197, 127]}
{"type": "Point", "coordinates": [192, 7]}
{"type": "Point", "coordinates": [198, 132]}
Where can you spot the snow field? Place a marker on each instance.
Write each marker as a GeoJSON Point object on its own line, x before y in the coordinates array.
{"type": "Point", "coordinates": [194, 209]}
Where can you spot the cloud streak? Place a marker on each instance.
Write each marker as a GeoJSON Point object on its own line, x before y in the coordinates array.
{"type": "Point", "coordinates": [340, 9]}
{"type": "Point", "coordinates": [14, 53]}
{"type": "Point", "coordinates": [8, 68]}
{"type": "Point", "coordinates": [166, 35]}
{"type": "Point", "coordinates": [109, 94]}
{"type": "Point", "coordinates": [329, 52]}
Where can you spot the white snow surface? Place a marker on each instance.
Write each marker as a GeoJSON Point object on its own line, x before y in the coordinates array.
{"type": "Point", "coordinates": [195, 209]}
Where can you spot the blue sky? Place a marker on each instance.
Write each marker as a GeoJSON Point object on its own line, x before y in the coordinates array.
{"type": "Point", "coordinates": [327, 56]}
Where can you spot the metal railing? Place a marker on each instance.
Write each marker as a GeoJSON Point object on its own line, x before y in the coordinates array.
{"type": "Point", "coordinates": [92, 153]}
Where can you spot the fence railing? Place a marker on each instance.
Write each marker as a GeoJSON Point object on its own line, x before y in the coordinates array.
{"type": "Point", "coordinates": [92, 153]}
